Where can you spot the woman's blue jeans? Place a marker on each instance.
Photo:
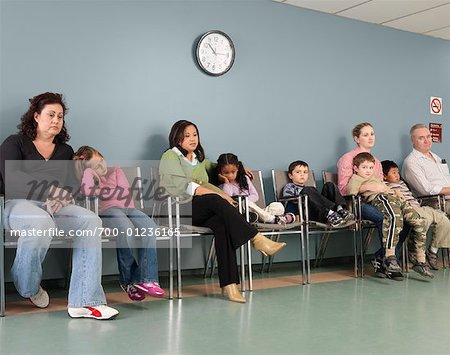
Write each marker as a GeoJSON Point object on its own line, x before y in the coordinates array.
{"type": "Point", "coordinates": [371, 213]}
{"type": "Point", "coordinates": [31, 218]}
{"type": "Point", "coordinates": [135, 230]}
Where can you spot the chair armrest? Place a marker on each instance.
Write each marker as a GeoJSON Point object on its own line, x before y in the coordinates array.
{"type": "Point", "coordinates": [438, 198]}
{"type": "Point", "coordinates": [89, 202]}
{"type": "Point", "coordinates": [287, 199]}
{"type": "Point", "coordinates": [429, 196]}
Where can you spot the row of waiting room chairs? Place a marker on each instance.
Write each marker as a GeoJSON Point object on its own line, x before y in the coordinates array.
{"type": "Point", "coordinates": [171, 217]}
{"type": "Point", "coordinates": [169, 214]}
{"type": "Point", "coordinates": [304, 228]}
{"type": "Point", "coordinates": [133, 174]}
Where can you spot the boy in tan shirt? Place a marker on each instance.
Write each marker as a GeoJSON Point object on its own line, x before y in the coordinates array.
{"type": "Point", "coordinates": [394, 210]}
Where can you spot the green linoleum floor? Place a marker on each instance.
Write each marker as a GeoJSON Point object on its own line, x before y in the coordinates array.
{"type": "Point", "coordinates": [369, 316]}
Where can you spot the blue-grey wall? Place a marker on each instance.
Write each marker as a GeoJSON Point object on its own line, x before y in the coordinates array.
{"type": "Point", "coordinates": [300, 82]}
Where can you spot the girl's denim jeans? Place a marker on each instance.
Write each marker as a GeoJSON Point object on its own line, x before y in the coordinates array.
{"type": "Point", "coordinates": [134, 229]}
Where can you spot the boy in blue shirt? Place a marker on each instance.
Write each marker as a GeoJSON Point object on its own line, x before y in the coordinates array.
{"type": "Point", "coordinates": [328, 207]}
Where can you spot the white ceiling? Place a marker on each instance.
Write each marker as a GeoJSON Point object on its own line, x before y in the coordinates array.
{"type": "Point", "coordinates": [427, 17]}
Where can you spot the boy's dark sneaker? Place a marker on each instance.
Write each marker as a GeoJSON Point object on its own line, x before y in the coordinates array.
{"type": "Point", "coordinates": [381, 272]}
{"type": "Point", "coordinates": [396, 275]}
{"type": "Point", "coordinates": [379, 269]}
{"type": "Point", "coordinates": [432, 259]}
{"type": "Point", "coordinates": [412, 258]}
{"type": "Point", "coordinates": [391, 264]}
{"type": "Point", "coordinates": [423, 269]}
{"type": "Point", "coordinates": [346, 215]}
{"type": "Point", "coordinates": [334, 219]}
{"type": "Point", "coordinates": [253, 217]}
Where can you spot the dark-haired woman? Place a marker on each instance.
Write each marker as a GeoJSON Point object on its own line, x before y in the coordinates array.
{"type": "Point", "coordinates": [184, 172]}
{"type": "Point", "coordinates": [36, 170]}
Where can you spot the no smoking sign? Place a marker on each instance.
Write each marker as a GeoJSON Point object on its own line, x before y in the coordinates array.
{"type": "Point", "coordinates": [436, 105]}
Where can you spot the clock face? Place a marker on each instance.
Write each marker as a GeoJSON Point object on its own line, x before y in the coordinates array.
{"type": "Point", "coordinates": [215, 53]}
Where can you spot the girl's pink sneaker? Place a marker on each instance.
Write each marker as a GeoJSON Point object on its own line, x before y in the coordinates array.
{"type": "Point", "coordinates": [133, 293]}
{"type": "Point", "coordinates": [152, 288]}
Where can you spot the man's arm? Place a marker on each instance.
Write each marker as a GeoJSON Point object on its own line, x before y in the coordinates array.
{"type": "Point", "coordinates": [415, 175]}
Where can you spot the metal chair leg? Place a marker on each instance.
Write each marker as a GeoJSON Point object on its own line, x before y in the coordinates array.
{"type": "Point", "coordinates": [263, 263]}
{"type": "Point", "coordinates": [322, 248]}
{"type": "Point", "coordinates": [445, 257]}
{"type": "Point", "coordinates": [249, 262]}
{"type": "Point", "coordinates": [2, 261]}
{"type": "Point", "coordinates": [368, 239]}
{"type": "Point", "coordinates": [405, 256]}
{"type": "Point", "coordinates": [277, 239]}
{"type": "Point", "coordinates": [242, 254]}
{"type": "Point", "coordinates": [210, 258]}
{"type": "Point", "coordinates": [355, 254]}
{"type": "Point", "coordinates": [179, 287]}
{"type": "Point", "coordinates": [170, 268]}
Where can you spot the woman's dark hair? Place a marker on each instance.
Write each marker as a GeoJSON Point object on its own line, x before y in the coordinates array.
{"type": "Point", "coordinates": [176, 136]}
{"type": "Point", "coordinates": [28, 125]}
{"type": "Point", "coordinates": [230, 158]}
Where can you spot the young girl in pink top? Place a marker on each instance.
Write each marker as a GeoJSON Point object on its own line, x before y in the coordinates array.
{"type": "Point", "coordinates": [117, 211]}
{"type": "Point", "coordinates": [236, 182]}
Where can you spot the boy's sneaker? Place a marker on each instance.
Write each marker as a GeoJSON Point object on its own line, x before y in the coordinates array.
{"type": "Point", "coordinates": [286, 219]}
{"type": "Point", "coordinates": [133, 293]}
{"type": "Point", "coordinates": [290, 217]}
{"type": "Point", "coordinates": [379, 269]}
{"type": "Point", "coordinates": [334, 219]}
{"type": "Point", "coordinates": [346, 215]}
{"type": "Point", "coordinates": [391, 264]}
{"type": "Point", "coordinates": [97, 312]}
{"type": "Point", "coordinates": [152, 288]}
{"type": "Point", "coordinates": [40, 299]}
{"type": "Point", "coordinates": [432, 259]}
{"type": "Point", "coordinates": [423, 269]}
{"type": "Point", "coordinates": [253, 217]}
{"type": "Point", "coordinates": [396, 275]}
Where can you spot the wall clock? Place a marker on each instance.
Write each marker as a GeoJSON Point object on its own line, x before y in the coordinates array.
{"type": "Point", "coordinates": [215, 53]}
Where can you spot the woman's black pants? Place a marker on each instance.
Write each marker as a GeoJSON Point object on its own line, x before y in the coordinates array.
{"type": "Point", "coordinates": [230, 228]}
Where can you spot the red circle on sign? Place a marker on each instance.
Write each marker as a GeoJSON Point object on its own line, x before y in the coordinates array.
{"type": "Point", "coordinates": [435, 106]}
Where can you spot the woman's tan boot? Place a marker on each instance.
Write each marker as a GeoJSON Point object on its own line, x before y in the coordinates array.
{"type": "Point", "coordinates": [266, 246]}
{"type": "Point", "coordinates": [232, 291]}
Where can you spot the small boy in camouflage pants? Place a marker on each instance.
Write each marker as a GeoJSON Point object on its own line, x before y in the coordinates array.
{"type": "Point", "coordinates": [394, 210]}
{"type": "Point", "coordinates": [433, 217]}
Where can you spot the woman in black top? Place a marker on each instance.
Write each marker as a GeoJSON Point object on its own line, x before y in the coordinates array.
{"type": "Point", "coordinates": [35, 167]}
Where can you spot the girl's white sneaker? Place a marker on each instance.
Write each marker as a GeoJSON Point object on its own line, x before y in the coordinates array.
{"type": "Point", "coordinates": [97, 312]}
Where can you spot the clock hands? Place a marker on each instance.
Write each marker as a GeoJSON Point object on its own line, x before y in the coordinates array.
{"type": "Point", "coordinates": [212, 49]}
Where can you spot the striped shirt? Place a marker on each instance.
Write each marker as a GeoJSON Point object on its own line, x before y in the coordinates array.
{"type": "Point", "coordinates": [406, 192]}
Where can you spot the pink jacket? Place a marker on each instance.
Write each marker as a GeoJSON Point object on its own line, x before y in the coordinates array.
{"type": "Point", "coordinates": [113, 189]}
{"type": "Point", "coordinates": [345, 169]}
